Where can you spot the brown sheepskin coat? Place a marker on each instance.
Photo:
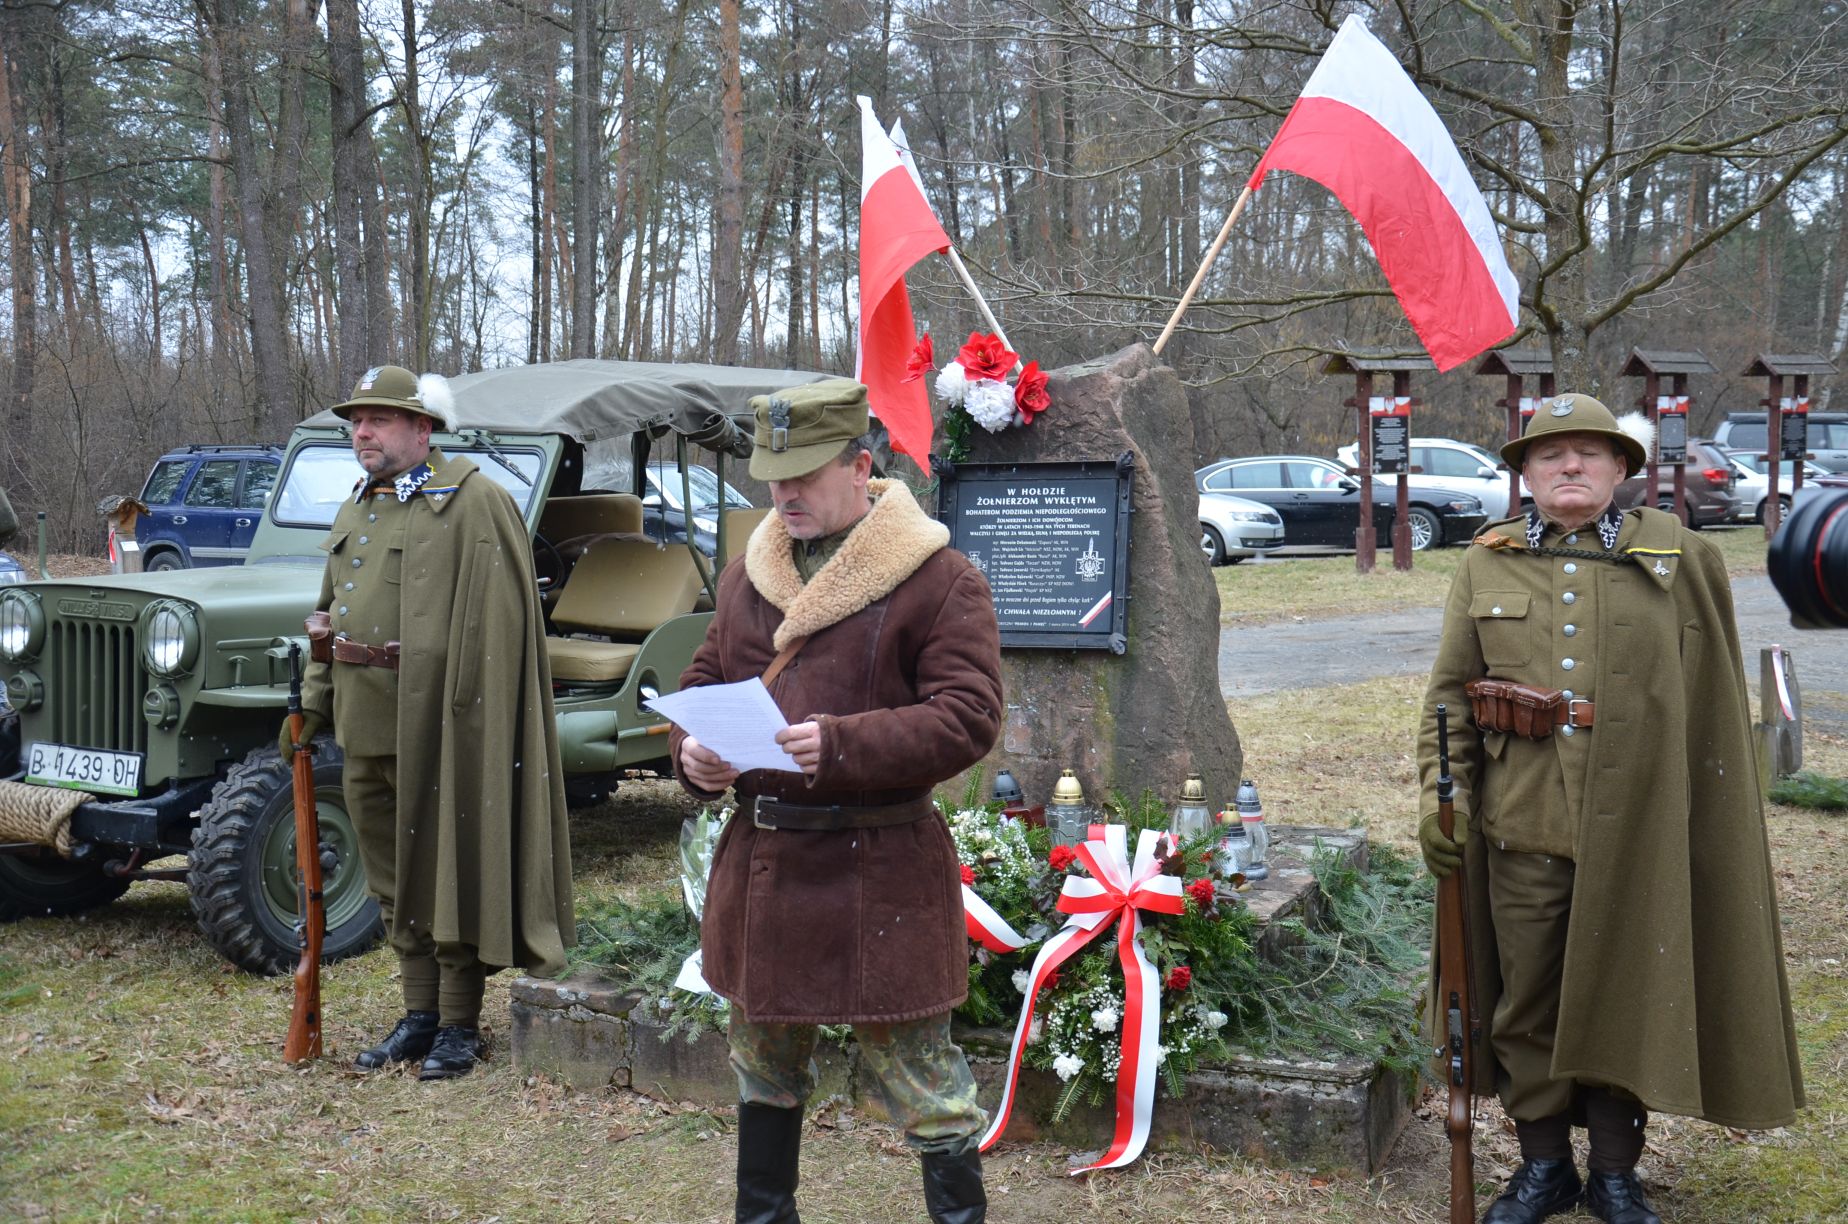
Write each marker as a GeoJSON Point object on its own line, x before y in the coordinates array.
{"type": "Point", "coordinates": [902, 670]}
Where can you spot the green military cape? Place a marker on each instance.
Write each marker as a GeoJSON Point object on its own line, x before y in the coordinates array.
{"type": "Point", "coordinates": [483, 847]}
{"type": "Point", "coordinates": [1673, 985]}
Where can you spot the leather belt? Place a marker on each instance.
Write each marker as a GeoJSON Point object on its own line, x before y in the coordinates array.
{"type": "Point", "coordinates": [1574, 712]}
{"type": "Point", "coordinates": [767, 813]}
{"type": "Point", "coordinates": [346, 650]}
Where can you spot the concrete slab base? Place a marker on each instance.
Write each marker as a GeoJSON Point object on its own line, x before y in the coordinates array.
{"type": "Point", "coordinates": [1336, 1116]}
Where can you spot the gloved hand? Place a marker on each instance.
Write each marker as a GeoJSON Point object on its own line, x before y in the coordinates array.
{"type": "Point", "coordinates": [1442, 855]}
{"type": "Point", "coordinates": [312, 725]}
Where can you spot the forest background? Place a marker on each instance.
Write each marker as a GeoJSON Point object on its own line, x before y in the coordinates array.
{"type": "Point", "coordinates": [218, 213]}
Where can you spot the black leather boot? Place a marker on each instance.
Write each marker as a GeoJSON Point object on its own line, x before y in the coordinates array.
{"type": "Point", "coordinates": [769, 1163]}
{"type": "Point", "coordinates": [456, 1051]}
{"type": "Point", "coordinates": [1617, 1198]}
{"type": "Point", "coordinates": [953, 1188]}
{"type": "Point", "coordinates": [1538, 1189]}
{"type": "Point", "coordinates": [408, 1042]}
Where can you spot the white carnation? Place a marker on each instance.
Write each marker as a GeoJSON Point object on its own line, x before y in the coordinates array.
{"type": "Point", "coordinates": [952, 383]}
{"type": "Point", "coordinates": [990, 404]}
{"type": "Point", "coordinates": [1215, 1020]}
{"type": "Point", "coordinates": [1067, 1065]}
{"type": "Point", "coordinates": [1022, 980]}
{"type": "Point", "coordinates": [1104, 1019]}
{"type": "Point", "coordinates": [1036, 1030]}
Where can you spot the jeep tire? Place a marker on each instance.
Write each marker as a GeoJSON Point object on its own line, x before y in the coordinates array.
{"type": "Point", "coordinates": [243, 878]}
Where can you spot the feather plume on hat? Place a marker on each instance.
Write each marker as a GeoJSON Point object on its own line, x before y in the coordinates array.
{"type": "Point", "coordinates": [437, 399]}
{"type": "Point", "coordinates": [1639, 427]}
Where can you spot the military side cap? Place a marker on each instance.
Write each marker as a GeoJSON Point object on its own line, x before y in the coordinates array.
{"type": "Point", "coordinates": [396, 387]}
{"type": "Point", "coordinates": [804, 427]}
{"type": "Point", "coordinates": [1574, 413]}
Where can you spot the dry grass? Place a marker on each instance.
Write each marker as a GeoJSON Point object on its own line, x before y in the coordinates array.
{"type": "Point", "coordinates": [140, 1078]}
{"type": "Point", "coordinates": [1327, 585]}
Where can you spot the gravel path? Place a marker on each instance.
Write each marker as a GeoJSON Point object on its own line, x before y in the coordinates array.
{"type": "Point", "coordinates": [1344, 649]}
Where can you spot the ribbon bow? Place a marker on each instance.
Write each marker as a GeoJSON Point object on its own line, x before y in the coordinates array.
{"type": "Point", "coordinates": [1115, 894]}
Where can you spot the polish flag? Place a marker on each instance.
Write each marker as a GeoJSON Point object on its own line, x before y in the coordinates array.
{"type": "Point", "coordinates": [897, 228]}
{"type": "Point", "coordinates": [1362, 130]}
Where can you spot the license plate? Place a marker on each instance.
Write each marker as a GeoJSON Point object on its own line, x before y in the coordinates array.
{"type": "Point", "coordinates": [86, 769]}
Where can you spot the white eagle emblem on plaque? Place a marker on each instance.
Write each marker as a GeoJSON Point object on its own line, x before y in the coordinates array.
{"type": "Point", "coordinates": [1090, 562]}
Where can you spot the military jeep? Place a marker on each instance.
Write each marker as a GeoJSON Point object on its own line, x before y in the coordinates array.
{"type": "Point", "coordinates": [157, 697]}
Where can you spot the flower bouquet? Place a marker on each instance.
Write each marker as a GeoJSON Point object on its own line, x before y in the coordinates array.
{"type": "Point", "coordinates": [976, 389]}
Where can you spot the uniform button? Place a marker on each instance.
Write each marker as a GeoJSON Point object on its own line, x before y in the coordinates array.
{"type": "Point", "coordinates": [1568, 664]}
{"type": "Point", "coordinates": [343, 609]}
{"type": "Point", "coordinates": [1568, 729]}
{"type": "Point", "coordinates": [1495, 611]}
{"type": "Point", "coordinates": [349, 586]}
{"type": "Point", "coordinates": [1568, 597]}
{"type": "Point", "coordinates": [1571, 567]}
{"type": "Point", "coordinates": [372, 518]}
{"type": "Point", "coordinates": [363, 539]}
{"type": "Point", "coordinates": [1569, 630]}
{"type": "Point", "coordinates": [355, 562]}
{"type": "Point", "coordinates": [1573, 538]}
{"type": "Point", "coordinates": [1567, 694]}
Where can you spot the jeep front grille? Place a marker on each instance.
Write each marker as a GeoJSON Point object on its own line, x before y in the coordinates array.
{"type": "Point", "coordinates": [100, 685]}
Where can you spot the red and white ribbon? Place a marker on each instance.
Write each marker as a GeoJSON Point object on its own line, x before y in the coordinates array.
{"type": "Point", "coordinates": [987, 927]}
{"type": "Point", "coordinates": [1115, 894]}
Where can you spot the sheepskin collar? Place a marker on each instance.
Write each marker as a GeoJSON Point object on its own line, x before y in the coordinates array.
{"type": "Point", "coordinates": [884, 548]}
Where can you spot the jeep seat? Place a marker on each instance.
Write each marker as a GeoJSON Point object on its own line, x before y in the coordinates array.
{"type": "Point", "coordinates": [739, 524]}
{"type": "Point", "coordinates": [621, 589]}
{"type": "Point", "coordinates": [591, 514]}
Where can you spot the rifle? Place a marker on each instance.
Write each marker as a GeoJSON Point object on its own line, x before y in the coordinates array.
{"type": "Point", "coordinates": [304, 1039]}
{"type": "Point", "coordinates": [1461, 1027]}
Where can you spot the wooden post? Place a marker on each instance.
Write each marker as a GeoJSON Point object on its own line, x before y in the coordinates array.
{"type": "Point", "coordinates": [1365, 533]}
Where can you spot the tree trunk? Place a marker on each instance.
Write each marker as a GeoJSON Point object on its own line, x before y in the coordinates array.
{"type": "Point", "coordinates": [346, 93]}
{"type": "Point", "coordinates": [586, 70]}
{"type": "Point", "coordinates": [728, 242]}
{"type": "Point", "coordinates": [16, 49]}
{"type": "Point", "coordinates": [268, 339]}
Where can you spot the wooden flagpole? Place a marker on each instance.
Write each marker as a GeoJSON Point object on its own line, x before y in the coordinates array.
{"type": "Point", "coordinates": [1212, 253]}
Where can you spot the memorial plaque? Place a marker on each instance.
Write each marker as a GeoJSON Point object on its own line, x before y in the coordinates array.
{"type": "Point", "coordinates": [1053, 541]}
{"type": "Point", "coordinates": [1794, 442]}
{"type": "Point", "coordinates": [1391, 444]}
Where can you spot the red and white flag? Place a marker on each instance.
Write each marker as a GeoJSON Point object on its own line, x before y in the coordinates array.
{"type": "Point", "coordinates": [1362, 130]}
{"type": "Point", "coordinates": [897, 228]}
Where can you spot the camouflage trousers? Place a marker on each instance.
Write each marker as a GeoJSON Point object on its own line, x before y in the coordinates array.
{"type": "Point", "coordinates": [921, 1073]}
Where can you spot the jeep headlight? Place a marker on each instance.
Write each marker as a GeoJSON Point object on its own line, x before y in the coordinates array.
{"type": "Point", "coordinates": [173, 640]}
{"type": "Point", "coordinates": [22, 625]}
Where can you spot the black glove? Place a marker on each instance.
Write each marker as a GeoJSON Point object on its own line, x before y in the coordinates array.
{"type": "Point", "coordinates": [1441, 855]}
{"type": "Point", "coordinates": [312, 725]}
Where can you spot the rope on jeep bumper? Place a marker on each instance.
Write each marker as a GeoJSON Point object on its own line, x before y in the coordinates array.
{"type": "Point", "coordinates": [39, 814]}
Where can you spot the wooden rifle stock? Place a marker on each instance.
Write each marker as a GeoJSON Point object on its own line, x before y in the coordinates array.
{"type": "Point", "coordinates": [1460, 1026]}
{"type": "Point", "coordinates": [304, 1039]}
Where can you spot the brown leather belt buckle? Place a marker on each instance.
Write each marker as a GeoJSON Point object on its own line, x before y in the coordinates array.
{"type": "Point", "coordinates": [1575, 712]}
{"type": "Point", "coordinates": [346, 650]}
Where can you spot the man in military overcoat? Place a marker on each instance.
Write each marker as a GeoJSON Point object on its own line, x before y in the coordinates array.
{"type": "Point", "coordinates": [1623, 920]}
{"type": "Point", "coordinates": [428, 656]}
{"type": "Point", "coordinates": [835, 894]}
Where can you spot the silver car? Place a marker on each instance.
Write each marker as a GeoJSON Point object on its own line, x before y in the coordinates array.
{"type": "Point", "coordinates": [1233, 528]}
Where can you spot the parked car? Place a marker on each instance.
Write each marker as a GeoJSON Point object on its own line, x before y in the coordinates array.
{"type": "Point", "coordinates": [11, 571]}
{"type": "Point", "coordinates": [1752, 490]}
{"type": "Point", "coordinates": [159, 694]}
{"type": "Point", "coordinates": [1458, 467]}
{"type": "Point", "coordinates": [1828, 436]}
{"type": "Point", "coordinates": [1320, 502]}
{"type": "Point", "coordinates": [1707, 489]}
{"type": "Point", "coordinates": [664, 514]}
{"type": "Point", "coordinates": [204, 503]}
{"type": "Point", "coordinates": [1233, 528]}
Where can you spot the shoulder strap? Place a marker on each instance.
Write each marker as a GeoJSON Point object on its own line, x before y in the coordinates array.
{"type": "Point", "coordinates": [782, 659]}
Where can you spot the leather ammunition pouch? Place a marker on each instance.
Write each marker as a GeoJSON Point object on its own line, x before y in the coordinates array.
{"type": "Point", "coordinates": [1526, 710]}
{"type": "Point", "coordinates": [320, 628]}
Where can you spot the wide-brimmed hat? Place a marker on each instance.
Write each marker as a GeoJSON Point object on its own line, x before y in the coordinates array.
{"type": "Point", "coordinates": [1575, 413]}
{"type": "Point", "coordinates": [804, 427]}
{"type": "Point", "coordinates": [396, 387]}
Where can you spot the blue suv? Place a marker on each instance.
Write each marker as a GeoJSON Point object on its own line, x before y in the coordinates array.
{"type": "Point", "coordinates": [204, 504]}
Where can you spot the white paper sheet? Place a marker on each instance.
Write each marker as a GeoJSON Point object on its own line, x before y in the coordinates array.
{"type": "Point", "coordinates": [737, 721]}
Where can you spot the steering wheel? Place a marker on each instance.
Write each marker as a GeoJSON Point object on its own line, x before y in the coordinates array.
{"type": "Point", "coordinates": [548, 564]}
